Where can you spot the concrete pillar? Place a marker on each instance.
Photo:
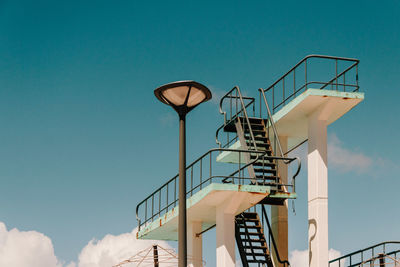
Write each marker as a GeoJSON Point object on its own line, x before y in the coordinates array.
{"type": "Point", "coordinates": [318, 189]}
{"type": "Point", "coordinates": [279, 214]}
{"type": "Point", "coordinates": [195, 244]}
{"type": "Point", "coordinates": [225, 218]}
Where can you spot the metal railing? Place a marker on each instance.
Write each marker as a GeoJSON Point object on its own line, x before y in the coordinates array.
{"type": "Point", "coordinates": [202, 172]}
{"type": "Point", "coordinates": [271, 238]}
{"type": "Point", "coordinates": [237, 108]}
{"type": "Point", "coordinates": [299, 78]}
{"type": "Point", "coordinates": [367, 256]}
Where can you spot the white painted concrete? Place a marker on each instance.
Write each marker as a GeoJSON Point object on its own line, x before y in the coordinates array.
{"type": "Point", "coordinates": [226, 243]}
{"type": "Point", "coordinates": [318, 187]}
{"type": "Point", "coordinates": [195, 244]}
{"type": "Point", "coordinates": [279, 214]}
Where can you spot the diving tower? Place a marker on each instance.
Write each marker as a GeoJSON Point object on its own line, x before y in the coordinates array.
{"type": "Point", "coordinates": [231, 186]}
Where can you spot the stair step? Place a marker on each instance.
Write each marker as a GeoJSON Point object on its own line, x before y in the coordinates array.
{"type": "Point", "coordinates": [264, 164]}
{"type": "Point", "coordinates": [248, 215]}
{"type": "Point", "coordinates": [266, 177]}
{"type": "Point", "coordinates": [252, 119]}
{"type": "Point", "coordinates": [261, 240]}
{"type": "Point", "coordinates": [258, 143]}
{"type": "Point", "coordinates": [257, 254]}
{"type": "Point", "coordinates": [264, 170]}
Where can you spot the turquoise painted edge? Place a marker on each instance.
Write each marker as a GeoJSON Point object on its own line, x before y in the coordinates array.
{"type": "Point", "coordinates": [204, 192]}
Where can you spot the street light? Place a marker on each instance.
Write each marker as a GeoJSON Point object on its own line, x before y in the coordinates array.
{"type": "Point", "coordinates": [183, 96]}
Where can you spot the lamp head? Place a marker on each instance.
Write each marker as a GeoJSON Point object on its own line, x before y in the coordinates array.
{"type": "Point", "coordinates": [183, 96]}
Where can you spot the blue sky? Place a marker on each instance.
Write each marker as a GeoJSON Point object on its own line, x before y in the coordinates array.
{"type": "Point", "coordinates": [83, 138]}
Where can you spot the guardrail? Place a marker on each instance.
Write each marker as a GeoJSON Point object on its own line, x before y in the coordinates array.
{"type": "Point", "coordinates": [301, 77]}
{"type": "Point", "coordinates": [202, 172]}
{"type": "Point", "coordinates": [367, 256]}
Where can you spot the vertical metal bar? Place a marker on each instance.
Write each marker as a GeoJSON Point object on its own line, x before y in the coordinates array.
{"type": "Point", "coordinates": [191, 181]}
{"type": "Point", "coordinates": [230, 101]}
{"type": "Point", "coordinates": [273, 99]}
{"type": "Point", "coordinates": [336, 75]}
{"type": "Point", "coordinates": [357, 76]}
{"type": "Point", "coordinates": [240, 155]}
{"type": "Point", "coordinates": [152, 207]}
{"type": "Point", "coordinates": [145, 213]}
{"type": "Point", "coordinates": [260, 104]}
{"type": "Point", "coordinates": [201, 172]}
{"type": "Point", "coordinates": [159, 203]}
{"type": "Point", "coordinates": [167, 197]}
{"type": "Point", "coordinates": [344, 82]}
{"type": "Point", "coordinates": [182, 226]}
{"type": "Point", "coordinates": [236, 99]}
{"type": "Point", "coordinates": [175, 191]}
{"type": "Point", "coordinates": [283, 92]}
{"type": "Point", "coordinates": [305, 72]}
{"type": "Point", "coordinates": [294, 82]}
{"type": "Point", "coordinates": [210, 169]}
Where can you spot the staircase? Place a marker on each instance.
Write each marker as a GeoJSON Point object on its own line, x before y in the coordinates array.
{"type": "Point", "coordinates": [251, 241]}
{"type": "Point", "coordinates": [263, 169]}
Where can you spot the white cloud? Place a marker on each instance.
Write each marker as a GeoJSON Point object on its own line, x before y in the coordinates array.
{"type": "Point", "coordinates": [339, 157]}
{"type": "Point", "coordinates": [26, 249]}
{"type": "Point", "coordinates": [31, 248]}
{"type": "Point", "coordinates": [299, 258]}
{"type": "Point", "coordinates": [345, 159]}
{"type": "Point", "coordinates": [113, 249]}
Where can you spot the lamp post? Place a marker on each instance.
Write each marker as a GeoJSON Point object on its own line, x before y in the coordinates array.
{"type": "Point", "coordinates": [183, 96]}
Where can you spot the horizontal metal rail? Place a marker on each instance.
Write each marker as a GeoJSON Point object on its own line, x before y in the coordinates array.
{"type": "Point", "coordinates": [165, 197]}
{"type": "Point", "coordinates": [360, 254]}
{"type": "Point", "coordinates": [290, 89]}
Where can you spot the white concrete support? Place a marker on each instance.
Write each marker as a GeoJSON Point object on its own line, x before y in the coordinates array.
{"type": "Point", "coordinates": [318, 189]}
{"type": "Point", "coordinates": [225, 218]}
{"type": "Point", "coordinates": [195, 244]}
{"type": "Point", "coordinates": [279, 214]}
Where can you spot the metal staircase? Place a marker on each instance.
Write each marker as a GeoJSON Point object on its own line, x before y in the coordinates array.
{"type": "Point", "coordinates": [253, 134]}
{"type": "Point", "coordinates": [251, 240]}
{"type": "Point", "coordinates": [264, 169]}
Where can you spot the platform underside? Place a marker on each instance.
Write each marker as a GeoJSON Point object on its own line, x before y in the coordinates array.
{"type": "Point", "coordinates": [201, 207]}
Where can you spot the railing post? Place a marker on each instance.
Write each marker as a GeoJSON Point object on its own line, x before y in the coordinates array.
{"type": "Point", "coordinates": [305, 71]}
{"type": "Point", "coordinates": [294, 83]}
{"type": "Point", "coordinates": [336, 75]}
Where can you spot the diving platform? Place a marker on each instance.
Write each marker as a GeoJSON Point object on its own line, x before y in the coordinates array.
{"type": "Point", "coordinates": [291, 120]}
{"type": "Point", "coordinates": [202, 207]}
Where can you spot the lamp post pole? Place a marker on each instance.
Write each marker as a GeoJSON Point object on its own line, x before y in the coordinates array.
{"type": "Point", "coordinates": [183, 96]}
{"type": "Point", "coordinates": [182, 239]}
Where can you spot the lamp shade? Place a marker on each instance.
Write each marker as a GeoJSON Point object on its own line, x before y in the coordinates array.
{"type": "Point", "coordinates": [183, 95]}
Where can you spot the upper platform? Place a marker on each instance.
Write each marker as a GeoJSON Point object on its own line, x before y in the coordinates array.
{"type": "Point", "coordinates": [292, 119]}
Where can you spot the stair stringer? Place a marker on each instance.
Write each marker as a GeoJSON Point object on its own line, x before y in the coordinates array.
{"type": "Point", "coordinates": [243, 144]}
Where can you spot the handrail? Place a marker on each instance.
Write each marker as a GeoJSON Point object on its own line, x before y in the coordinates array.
{"type": "Point", "coordinates": [324, 84]}
{"type": "Point", "coordinates": [243, 109]}
{"type": "Point", "coordinates": [271, 121]}
{"type": "Point", "coordinates": [264, 213]}
{"type": "Point", "coordinates": [163, 191]}
{"type": "Point", "coordinates": [361, 251]}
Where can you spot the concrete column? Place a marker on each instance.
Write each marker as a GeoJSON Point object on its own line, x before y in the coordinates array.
{"type": "Point", "coordinates": [279, 214]}
{"type": "Point", "coordinates": [225, 218]}
{"type": "Point", "coordinates": [195, 244]}
{"type": "Point", "coordinates": [317, 189]}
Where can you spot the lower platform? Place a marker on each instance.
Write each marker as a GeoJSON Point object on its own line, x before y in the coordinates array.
{"type": "Point", "coordinates": [201, 207]}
